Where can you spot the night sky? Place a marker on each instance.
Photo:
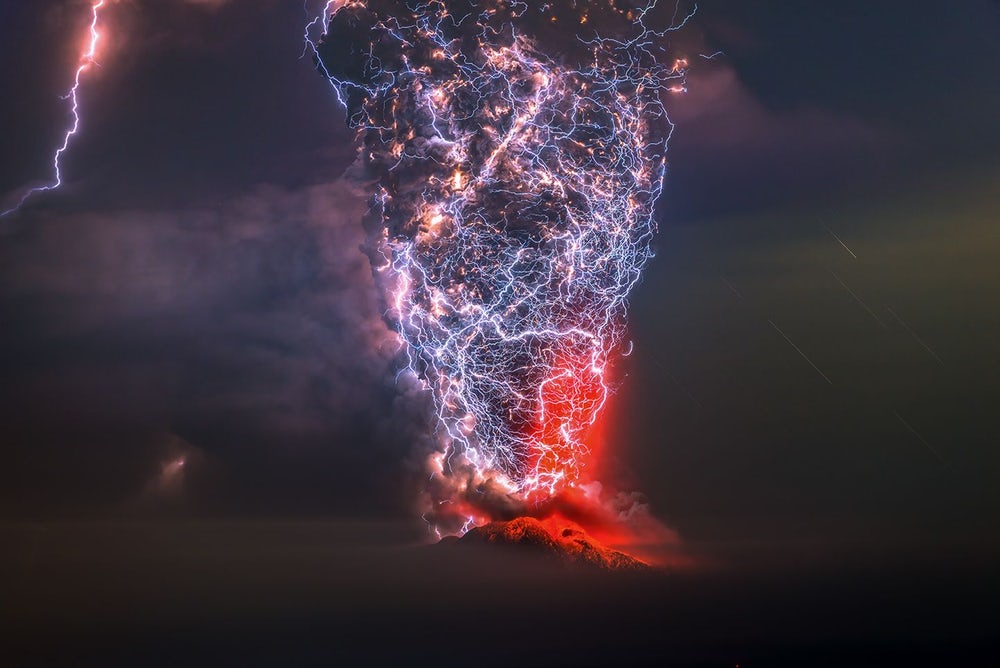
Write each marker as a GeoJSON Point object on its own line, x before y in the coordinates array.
{"type": "Point", "coordinates": [813, 401]}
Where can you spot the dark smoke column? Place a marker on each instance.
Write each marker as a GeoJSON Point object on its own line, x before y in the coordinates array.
{"type": "Point", "coordinates": [519, 151]}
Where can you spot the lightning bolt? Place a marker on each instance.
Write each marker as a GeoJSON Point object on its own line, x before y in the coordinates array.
{"type": "Point", "coordinates": [311, 43]}
{"type": "Point", "coordinates": [85, 63]}
{"type": "Point", "coordinates": [512, 217]}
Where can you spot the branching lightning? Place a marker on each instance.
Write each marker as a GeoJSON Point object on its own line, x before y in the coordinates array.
{"type": "Point", "coordinates": [86, 61]}
{"type": "Point", "coordinates": [512, 216]}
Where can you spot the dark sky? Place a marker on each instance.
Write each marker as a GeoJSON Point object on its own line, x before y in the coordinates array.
{"type": "Point", "coordinates": [817, 352]}
{"type": "Point", "coordinates": [817, 343]}
{"type": "Point", "coordinates": [194, 289]}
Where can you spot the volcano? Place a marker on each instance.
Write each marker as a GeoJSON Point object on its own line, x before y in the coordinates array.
{"type": "Point", "coordinates": [566, 544]}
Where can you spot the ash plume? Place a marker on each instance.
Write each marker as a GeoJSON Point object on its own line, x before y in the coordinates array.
{"type": "Point", "coordinates": [516, 153]}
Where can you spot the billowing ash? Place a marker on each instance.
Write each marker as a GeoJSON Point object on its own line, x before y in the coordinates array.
{"type": "Point", "coordinates": [518, 151]}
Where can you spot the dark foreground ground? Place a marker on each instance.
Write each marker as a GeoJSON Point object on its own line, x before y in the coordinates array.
{"type": "Point", "coordinates": [349, 594]}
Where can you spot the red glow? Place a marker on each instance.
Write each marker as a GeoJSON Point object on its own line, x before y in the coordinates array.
{"type": "Point", "coordinates": [568, 541]}
{"type": "Point", "coordinates": [570, 401]}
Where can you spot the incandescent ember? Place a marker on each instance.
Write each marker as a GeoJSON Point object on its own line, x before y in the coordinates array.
{"type": "Point", "coordinates": [562, 542]}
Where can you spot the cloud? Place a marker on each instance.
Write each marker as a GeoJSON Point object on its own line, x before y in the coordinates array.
{"type": "Point", "coordinates": [249, 330]}
{"type": "Point", "coordinates": [722, 116]}
{"type": "Point", "coordinates": [207, 4]}
{"type": "Point", "coordinates": [732, 152]}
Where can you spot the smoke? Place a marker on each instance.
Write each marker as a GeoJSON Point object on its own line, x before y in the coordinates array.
{"type": "Point", "coordinates": [247, 330]}
{"type": "Point", "coordinates": [516, 154]}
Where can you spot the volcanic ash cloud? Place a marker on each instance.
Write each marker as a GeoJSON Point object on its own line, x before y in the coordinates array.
{"type": "Point", "coordinates": [516, 155]}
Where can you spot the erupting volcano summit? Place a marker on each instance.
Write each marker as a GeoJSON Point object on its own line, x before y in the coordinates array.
{"type": "Point", "coordinates": [517, 152]}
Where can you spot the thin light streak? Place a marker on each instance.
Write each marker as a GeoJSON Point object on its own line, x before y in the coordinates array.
{"type": "Point", "coordinates": [857, 299]}
{"type": "Point", "coordinates": [920, 438]}
{"type": "Point", "coordinates": [731, 286]}
{"type": "Point", "coordinates": [86, 61]}
{"type": "Point", "coordinates": [915, 337]}
{"type": "Point", "coordinates": [840, 241]}
{"type": "Point", "coordinates": [799, 351]}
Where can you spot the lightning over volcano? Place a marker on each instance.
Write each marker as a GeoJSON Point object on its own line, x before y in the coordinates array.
{"type": "Point", "coordinates": [511, 333]}
{"type": "Point", "coordinates": [516, 152]}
